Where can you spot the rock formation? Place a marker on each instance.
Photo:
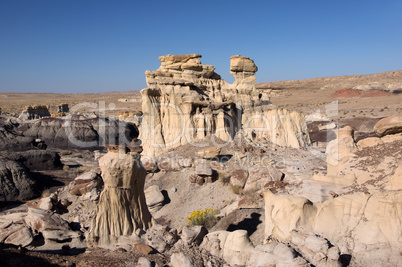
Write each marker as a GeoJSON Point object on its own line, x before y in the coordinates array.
{"type": "Point", "coordinates": [236, 249]}
{"type": "Point", "coordinates": [186, 100]}
{"type": "Point", "coordinates": [339, 151]}
{"type": "Point", "coordinates": [63, 108]}
{"type": "Point", "coordinates": [73, 131]}
{"type": "Point", "coordinates": [356, 223]}
{"type": "Point", "coordinates": [37, 160]}
{"type": "Point", "coordinates": [122, 208]}
{"type": "Point", "coordinates": [34, 112]}
{"type": "Point", "coordinates": [389, 125]}
{"type": "Point", "coordinates": [15, 182]}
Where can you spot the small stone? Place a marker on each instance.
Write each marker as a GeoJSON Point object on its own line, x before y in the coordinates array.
{"type": "Point", "coordinates": [144, 262]}
{"type": "Point", "coordinates": [143, 249]}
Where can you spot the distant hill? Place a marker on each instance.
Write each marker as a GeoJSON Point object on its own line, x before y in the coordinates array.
{"type": "Point", "coordinates": [338, 82]}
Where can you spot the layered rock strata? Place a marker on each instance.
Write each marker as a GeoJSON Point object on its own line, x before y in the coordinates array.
{"type": "Point", "coordinates": [187, 101]}
{"type": "Point", "coordinates": [122, 208]}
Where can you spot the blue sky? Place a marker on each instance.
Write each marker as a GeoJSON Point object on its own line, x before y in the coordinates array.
{"type": "Point", "coordinates": [89, 46]}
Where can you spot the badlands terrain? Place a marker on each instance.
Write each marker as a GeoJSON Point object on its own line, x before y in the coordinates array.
{"type": "Point", "coordinates": [83, 183]}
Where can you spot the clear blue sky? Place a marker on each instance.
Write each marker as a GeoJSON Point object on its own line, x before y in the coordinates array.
{"type": "Point", "coordinates": [73, 46]}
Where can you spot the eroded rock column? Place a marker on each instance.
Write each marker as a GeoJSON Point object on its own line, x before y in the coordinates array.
{"type": "Point", "coordinates": [122, 208]}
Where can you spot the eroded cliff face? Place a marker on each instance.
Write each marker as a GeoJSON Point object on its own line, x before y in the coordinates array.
{"type": "Point", "coordinates": [186, 100]}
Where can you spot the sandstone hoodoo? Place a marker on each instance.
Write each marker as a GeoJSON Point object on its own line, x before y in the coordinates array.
{"type": "Point", "coordinates": [122, 208]}
{"type": "Point", "coordinates": [187, 101]}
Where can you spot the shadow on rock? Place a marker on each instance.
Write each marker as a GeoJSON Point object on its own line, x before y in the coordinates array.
{"type": "Point", "coordinates": [248, 224]}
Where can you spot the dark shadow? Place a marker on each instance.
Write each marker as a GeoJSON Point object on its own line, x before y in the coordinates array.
{"type": "Point", "coordinates": [44, 181]}
{"type": "Point", "coordinates": [215, 176]}
{"type": "Point", "coordinates": [249, 224]}
{"type": "Point", "coordinates": [5, 205]}
{"type": "Point", "coordinates": [10, 255]}
{"type": "Point", "coordinates": [166, 196]}
{"type": "Point", "coordinates": [71, 251]}
{"type": "Point", "coordinates": [224, 158]}
{"type": "Point", "coordinates": [282, 177]}
{"type": "Point", "coordinates": [345, 259]}
{"type": "Point", "coordinates": [221, 158]}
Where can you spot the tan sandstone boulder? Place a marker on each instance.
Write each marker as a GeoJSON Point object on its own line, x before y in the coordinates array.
{"type": "Point", "coordinates": [236, 249]}
{"type": "Point", "coordinates": [285, 213]}
{"type": "Point", "coordinates": [395, 181]}
{"type": "Point", "coordinates": [369, 142]}
{"type": "Point", "coordinates": [388, 125]}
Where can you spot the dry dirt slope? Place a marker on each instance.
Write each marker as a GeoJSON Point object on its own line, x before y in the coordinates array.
{"type": "Point", "coordinates": [337, 83]}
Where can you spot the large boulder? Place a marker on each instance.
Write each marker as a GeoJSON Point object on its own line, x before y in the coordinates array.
{"type": "Point", "coordinates": [259, 176]}
{"type": "Point", "coordinates": [15, 181]}
{"type": "Point", "coordinates": [154, 198]}
{"type": "Point", "coordinates": [388, 125]}
{"type": "Point", "coordinates": [16, 234]}
{"type": "Point", "coordinates": [285, 213]}
{"type": "Point", "coordinates": [87, 185]}
{"type": "Point", "coordinates": [40, 220]}
{"type": "Point", "coordinates": [238, 177]}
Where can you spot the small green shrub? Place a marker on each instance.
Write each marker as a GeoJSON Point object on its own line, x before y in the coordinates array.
{"type": "Point", "coordinates": [205, 217]}
{"type": "Point", "coordinates": [66, 168]}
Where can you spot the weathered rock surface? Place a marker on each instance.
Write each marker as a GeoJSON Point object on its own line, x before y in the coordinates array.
{"type": "Point", "coordinates": [16, 234]}
{"type": "Point", "coordinates": [203, 168]}
{"type": "Point", "coordinates": [34, 112]}
{"type": "Point", "coordinates": [259, 176]}
{"type": "Point", "coordinates": [37, 160]}
{"type": "Point", "coordinates": [209, 152]}
{"type": "Point", "coordinates": [40, 220]}
{"type": "Point", "coordinates": [369, 142]}
{"type": "Point", "coordinates": [178, 259]}
{"type": "Point", "coordinates": [236, 249]}
{"type": "Point", "coordinates": [193, 234]}
{"type": "Point", "coordinates": [389, 125]}
{"type": "Point", "coordinates": [356, 223]}
{"type": "Point", "coordinates": [239, 178]}
{"type": "Point", "coordinates": [15, 182]}
{"type": "Point", "coordinates": [187, 101]}
{"type": "Point", "coordinates": [122, 207]}
{"type": "Point", "coordinates": [154, 198]}
{"type": "Point", "coordinates": [160, 237]}
{"type": "Point", "coordinates": [340, 151]}
{"type": "Point", "coordinates": [87, 185]}
{"type": "Point", "coordinates": [73, 131]}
